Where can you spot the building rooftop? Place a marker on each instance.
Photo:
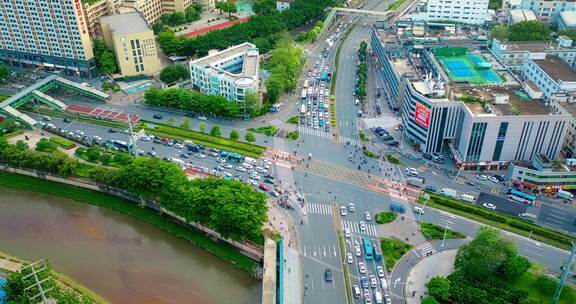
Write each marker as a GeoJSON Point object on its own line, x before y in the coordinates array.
{"type": "Point", "coordinates": [247, 50]}
{"type": "Point", "coordinates": [127, 23]}
{"type": "Point", "coordinates": [531, 46]}
{"type": "Point", "coordinates": [522, 15]}
{"type": "Point", "coordinates": [504, 101]}
{"type": "Point", "coordinates": [556, 68]}
{"type": "Point", "coordinates": [569, 18]}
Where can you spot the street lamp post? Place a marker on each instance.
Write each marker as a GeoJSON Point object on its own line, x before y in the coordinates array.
{"type": "Point", "coordinates": [444, 237]}
{"type": "Point", "coordinates": [427, 197]}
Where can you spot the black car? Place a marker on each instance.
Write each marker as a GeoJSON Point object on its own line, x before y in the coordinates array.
{"type": "Point", "coordinates": [328, 275]}
{"type": "Point", "coordinates": [470, 184]}
{"type": "Point", "coordinates": [394, 144]}
{"type": "Point", "coordinates": [427, 156]}
{"type": "Point", "coordinates": [112, 130]}
{"type": "Point", "coordinates": [67, 120]}
{"type": "Point", "coordinates": [184, 155]}
{"type": "Point", "coordinates": [157, 116]}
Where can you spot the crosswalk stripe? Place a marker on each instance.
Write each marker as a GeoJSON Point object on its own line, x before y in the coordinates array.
{"type": "Point", "coordinates": [319, 209]}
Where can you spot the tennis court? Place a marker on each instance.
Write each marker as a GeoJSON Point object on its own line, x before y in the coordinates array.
{"type": "Point", "coordinates": [469, 67]}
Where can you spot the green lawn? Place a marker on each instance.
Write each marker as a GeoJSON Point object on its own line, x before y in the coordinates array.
{"type": "Point", "coordinates": [385, 217]}
{"type": "Point", "coordinates": [220, 250]}
{"type": "Point", "coordinates": [293, 120]}
{"type": "Point", "coordinates": [395, 5]}
{"type": "Point", "coordinates": [543, 289]}
{"type": "Point", "coordinates": [393, 160]}
{"type": "Point", "coordinates": [293, 135]}
{"type": "Point", "coordinates": [63, 142]}
{"type": "Point", "coordinates": [434, 232]}
{"type": "Point", "coordinates": [369, 153]}
{"type": "Point", "coordinates": [393, 250]}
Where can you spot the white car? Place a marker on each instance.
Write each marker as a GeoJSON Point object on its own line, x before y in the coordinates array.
{"type": "Point", "coordinates": [388, 299]}
{"type": "Point", "coordinates": [481, 177]}
{"type": "Point", "coordinates": [351, 207]}
{"type": "Point", "coordinates": [493, 179]}
{"type": "Point", "coordinates": [247, 166]}
{"type": "Point", "coordinates": [200, 155]}
{"type": "Point", "coordinates": [380, 271]}
{"type": "Point", "coordinates": [349, 258]}
{"type": "Point", "coordinates": [343, 210]}
{"type": "Point", "coordinates": [228, 166]}
{"type": "Point", "coordinates": [373, 281]}
{"type": "Point", "coordinates": [202, 118]}
{"type": "Point", "coordinates": [179, 146]}
{"type": "Point", "coordinates": [383, 283]}
{"type": "Point", "coordinates": [362, 226]}
{"type": "Point", "coordinates": [357, 251]}
{"type": "Point", "coordinates": [361, 267]}
{"type": "Point", "coordinates": [241, 169]}
{"type": "Point", "coordinates": [367, 215]}
{"type": "Point", "coordinates": [489, 206]}
{"type": "Point", "coordinates": [347, 232]}
{"type": "Point", "coordinates": [80, 132]}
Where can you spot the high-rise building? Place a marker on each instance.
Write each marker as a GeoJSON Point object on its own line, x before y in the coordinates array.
{"type": "Point", "coordinates": [546, 10]}
{"type": "Point", "coordinates": [151, 10]}
{"type": "Point", "coordinates": [93, 11]}
{"type": "Point", "coordinates": [52, 34]}
{"type": "Point", "coordinates": [133, 42]}
{"type": "Point", "coordinates": [464, 11]}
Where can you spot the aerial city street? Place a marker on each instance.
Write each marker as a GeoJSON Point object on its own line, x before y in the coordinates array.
{"type": "Point", "coordinates": [288, 151]}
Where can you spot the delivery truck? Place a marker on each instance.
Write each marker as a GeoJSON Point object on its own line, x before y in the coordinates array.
{"type": "Point", "coordinates": [448, 192]}
{"type": "Point", "coordinates": [565, 195]}
{"type": "Point", "coordinates": [415, 181]}
{"type": "Point", "coordinates": [468, 198]}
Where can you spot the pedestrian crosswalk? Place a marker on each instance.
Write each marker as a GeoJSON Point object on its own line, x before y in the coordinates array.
{"type": "Point", "coordinates": [315, 132]}
{"type": "Point", "coordinates": [318, 209]}
{"type": "Point", "coordinates": [538, 203]}
{"type": "Point", "coordinates": [460, 181]}
{"type": "Point", "coordinates": [495, 190]}
{"type": "Point", "coordinates": [422, 168]}
{"type": "Point", "coordinates": [381, 146]}
{"type": "Point", "coordinates": [320, 251]}
{"type": "Point", "coordinates": [355, 228]}
{"type": "Point", "coordinates": [352, 141]}
{"type": "Point", "coordinates": [425, 249]}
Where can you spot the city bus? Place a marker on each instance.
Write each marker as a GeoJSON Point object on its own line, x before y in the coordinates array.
{"type": "Point", "coordinates": [522, 197]}
{"type": "Point", "coordinates": [377, 251]}
{"type": "Point", "coordinates": [232, 156]}
{"type": "Point", "coordinates": [367, 248]}
{"type": "Point", "coordinates": [304, 94]}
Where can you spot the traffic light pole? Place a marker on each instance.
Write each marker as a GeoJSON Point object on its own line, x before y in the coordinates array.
{"type": "Point", "coordinates": [564, 275]}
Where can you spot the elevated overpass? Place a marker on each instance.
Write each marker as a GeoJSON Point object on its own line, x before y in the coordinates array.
{"type": "Point", "coordinates": [342, 11]}
{"type": "Point", "coordinates": [37, 92]}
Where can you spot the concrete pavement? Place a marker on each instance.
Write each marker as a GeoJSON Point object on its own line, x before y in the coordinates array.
{"type": "Point", "coordinates": [438, 264]}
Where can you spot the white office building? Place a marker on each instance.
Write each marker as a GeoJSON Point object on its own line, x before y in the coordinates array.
{"type": "Point", "coordinates": [513, 54]}
{"type": "Point", "coordinates": [547, 11]}
{"type": "Point", "coordinates": [232, 73]}
{"type": "Point", "coordinates": [463, 11]}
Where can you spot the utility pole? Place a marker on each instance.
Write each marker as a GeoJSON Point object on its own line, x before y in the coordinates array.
{"type": "Point", "coordinates": [132, 148]}
{"type": "Point", "coordinates": [564, 275]}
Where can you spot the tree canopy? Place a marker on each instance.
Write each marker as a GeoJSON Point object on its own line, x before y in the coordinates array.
{"type": "Point", "coordinates": [104, 57]}
{"type": "Point", "coordinates": [262, 29]}
{"type": "Point", "coordinates": [174, 73]}
{"type": "Point", "coordinates": [187, 100]}
{"type": "Point", "coordinates": [285, 65]}
{"type": "Point", "coordinates": [528, 31]}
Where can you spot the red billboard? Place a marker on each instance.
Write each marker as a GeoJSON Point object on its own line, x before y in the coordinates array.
{"type": "Point", "coordinates": [422, 115]}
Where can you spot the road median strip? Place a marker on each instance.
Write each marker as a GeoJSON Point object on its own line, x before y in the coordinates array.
{"type": "Point", "coordinates": [495, 219]}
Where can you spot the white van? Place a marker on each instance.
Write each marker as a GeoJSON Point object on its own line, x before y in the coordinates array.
{"type": "Point", "coordinates": [418, 209]}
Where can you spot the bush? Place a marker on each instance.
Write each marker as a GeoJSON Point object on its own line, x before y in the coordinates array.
{"type": "Point", "coordinates": [267, 130]}
{"type": "Point", "coordinates": [63, 142]}
{"type": "Point", "coordinates": [393, 250]}
{"type": "Point", "coordinates": [45, 145]}
{"type": "Point", "coordinates": [434, 232]}
{"type": "Point", "coordinates": [369, 153]}
{"type": "Point", "coordinates": [293, 135]}
{"type": "Point", "coordinates": [385, 217]}
{"type": "Point", "coordinates": [393, 160]}
{"type": "Point", "coordinates": [293, 120]}
{"type": "Point", "coordinates": [249, 137]}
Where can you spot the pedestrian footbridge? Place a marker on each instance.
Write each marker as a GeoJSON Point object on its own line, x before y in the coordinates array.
{"type": "Point", "coordinates": [37, 91]}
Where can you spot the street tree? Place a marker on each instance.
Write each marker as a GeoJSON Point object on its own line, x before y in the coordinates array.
{"type": "Point", "coordinates": [215, 131]}
{"type": "Point", "coordinates": [234, 135]}
{"type": "Point", "coordinates": [174, 73]}
{"type": "Point", "coordinates": [4, 73]}
{"type": "Point", "coordinates": [185, 124]}
{"type": "Point", "coordinates": [439, 288]}
{"type": "Point", "coordinates": [170, 121]}
{"type": "Point", "coordinates": [483, 255]}
{"type": "Point", "coordinates": [514, 267]}
{"type": "Point", "coordinates": [429, 300]}
{"type": "Point", "coordinates": [249, 137]}
{"type": "Point", "coordinates": [202, 127]}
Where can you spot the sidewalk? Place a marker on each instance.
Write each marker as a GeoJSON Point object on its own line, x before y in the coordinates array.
{"type": "Point", "coordinates": [439, 264]}
{"type": "Point", "coordinates": [292, 274]}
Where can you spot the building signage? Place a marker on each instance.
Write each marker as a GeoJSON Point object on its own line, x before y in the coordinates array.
{"type": "Point", "coordinates": [80, 15]}
{"type": "Point", "coordinates": [422, 115]}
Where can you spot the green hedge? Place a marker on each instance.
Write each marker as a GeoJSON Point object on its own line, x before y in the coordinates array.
{"type": "Point", "coordinates": [434, 232]}
{"type": "Point", "coordinates": [206, 139]}
{"type": "Point", "coordinates": [267, 130]}
{"type": "Point", "coordinates": [499, 220]}
{"type": "Point", "coordinates": [385, 217]}
{"type": "Point", "coordinates": [393, 250]}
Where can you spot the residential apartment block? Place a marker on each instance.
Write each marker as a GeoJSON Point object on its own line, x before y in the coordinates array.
{"type": "Point", "coordinates": [514, 54]}
{"type": "Point", "coordinates": [52, 34]}
{"type": "Point", "coordinates": [554, 78]}
{"type": "Point", "coordinates": [232, 73]}
{"type": "Point", "coordinates": [93, 11]}
{"type": "Point", "coordinates": [151, 10]}
{"type": "Point", "coordinates": [547, 11]}
{"type": "Point", "coordinates": [463, 11]}
{"type": "Point", "coordinates": [133, 42]}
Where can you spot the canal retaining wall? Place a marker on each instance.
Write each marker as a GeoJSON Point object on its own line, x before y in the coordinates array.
{"type": "Point", "coordinates": [248, 249]}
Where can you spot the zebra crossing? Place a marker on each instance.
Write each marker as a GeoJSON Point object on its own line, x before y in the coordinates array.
{"type": "Point", "coordinates": [321, 252]}
{"type": "Point", "coordinates": [352, 141]}
{"type": "Point", "coordinates": [381, 146]}
{"type": "Point", "coordinates": [421, 168]}
{"type": "Point", "coordinates": [495, 190]}
{"type": "Point", "coordinates": [318, 209]}
{"type": "Point", "coordinates": [315, 132]}
{"type": "Point", "coordinates": [355, 228]}
{"type": "Point", "coordinates": [425, 249]}
{"type": "Point", "coordinates": [460, 181]}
